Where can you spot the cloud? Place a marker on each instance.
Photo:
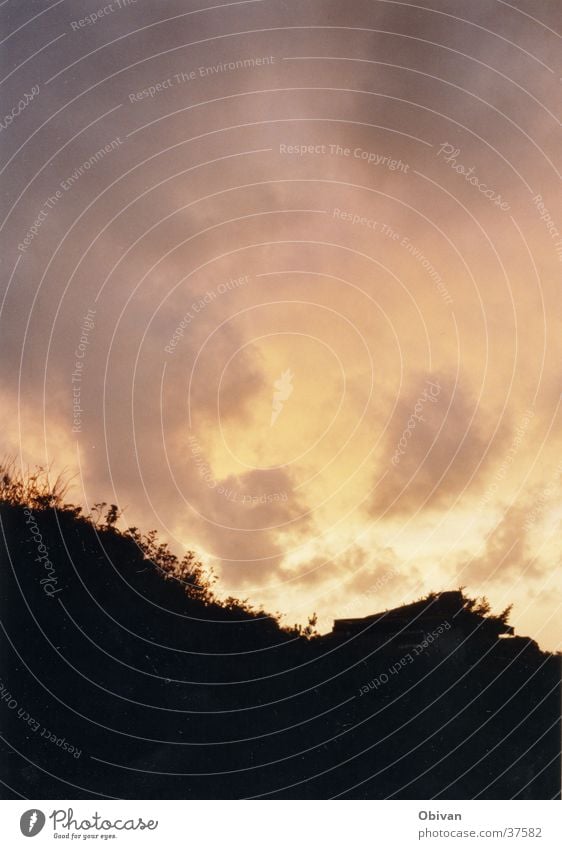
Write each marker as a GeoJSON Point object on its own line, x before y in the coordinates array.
{"type": "Point", "coordinates": [506, 555]}
{"type": "Point", "coordinates": [431, 447]}
{"type": "Point", "coordinates": [245, 521]}
{"type": "Point", "coordinates": [355, 581]}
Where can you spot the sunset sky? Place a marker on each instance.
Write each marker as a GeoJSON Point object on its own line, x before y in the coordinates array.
{"type": "Point", "coordinates": [283, 281]}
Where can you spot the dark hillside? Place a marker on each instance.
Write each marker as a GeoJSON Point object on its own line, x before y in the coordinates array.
{"type": "Point", "coordinates": [121, 680]}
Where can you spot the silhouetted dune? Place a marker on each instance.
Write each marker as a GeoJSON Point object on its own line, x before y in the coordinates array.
{"type": "Point", "coordinates": [159, 690]}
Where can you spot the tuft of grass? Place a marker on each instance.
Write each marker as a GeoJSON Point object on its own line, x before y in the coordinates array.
{"type": "Point", "coordinates": [37, 489]}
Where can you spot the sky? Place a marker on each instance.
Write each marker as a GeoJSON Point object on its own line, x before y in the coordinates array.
{"type": "Point", "coordinates": [282, 280]}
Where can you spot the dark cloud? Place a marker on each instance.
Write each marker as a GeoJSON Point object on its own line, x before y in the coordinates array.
{"type": "Point", "coordinates": [245, 520]}
{"type": "Point", "coordinates": [437, 442]}
{"type": "Point", "coordinates": [507, 555]}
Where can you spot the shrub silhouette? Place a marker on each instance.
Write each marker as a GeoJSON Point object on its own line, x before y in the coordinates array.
{"type": "Point", "coordinates": [165, 690]}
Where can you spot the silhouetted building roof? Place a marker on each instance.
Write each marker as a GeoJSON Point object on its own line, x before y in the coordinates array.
{"type": "Point", "coordinates": [411, 622]}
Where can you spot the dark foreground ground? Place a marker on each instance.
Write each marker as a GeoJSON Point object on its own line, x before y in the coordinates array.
{"type": "Point", "coordinates": [117, 682]}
